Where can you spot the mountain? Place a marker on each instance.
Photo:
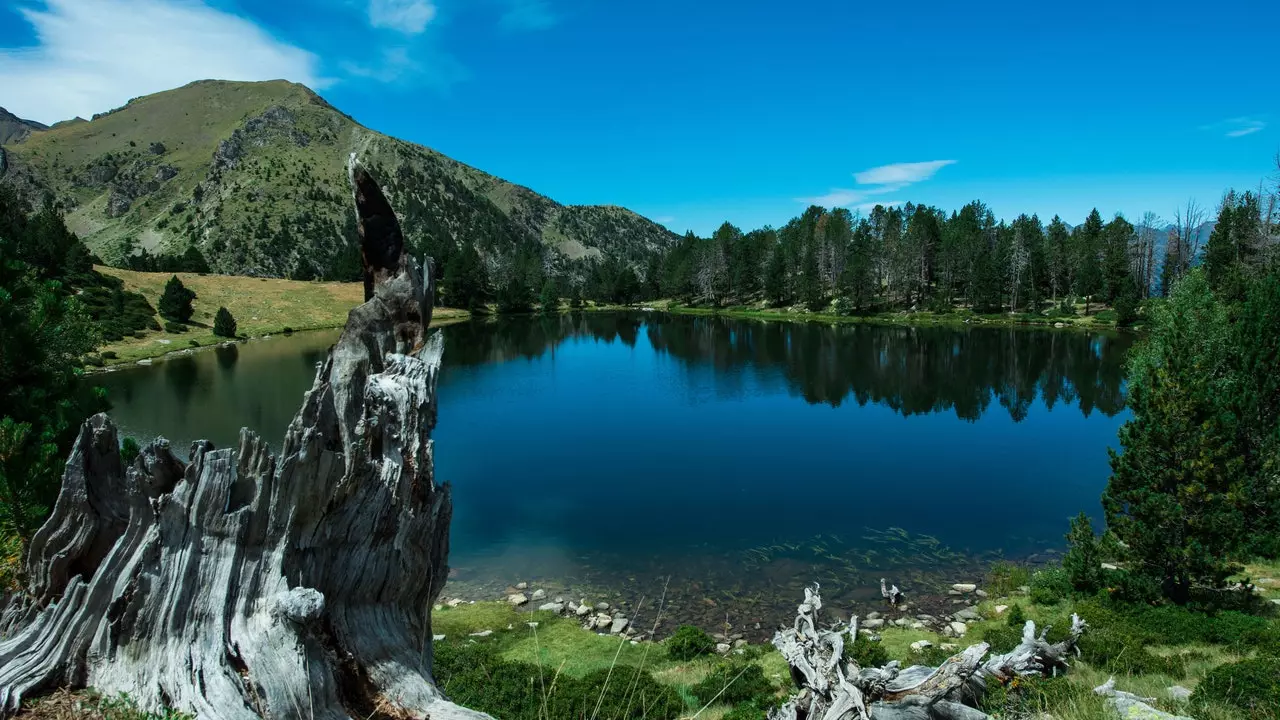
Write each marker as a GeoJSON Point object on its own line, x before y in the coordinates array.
{"type": "Point", "coordinates": [14, 128]}
{"type": "Point", "coordinates": [254, 176]}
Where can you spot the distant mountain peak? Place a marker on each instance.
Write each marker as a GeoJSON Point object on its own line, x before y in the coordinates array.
{"type": "Point", "coordinates": [14, 129]}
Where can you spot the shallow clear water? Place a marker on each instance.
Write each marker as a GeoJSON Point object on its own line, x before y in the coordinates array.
{"type": "Point", "coordinates": [736, 458]}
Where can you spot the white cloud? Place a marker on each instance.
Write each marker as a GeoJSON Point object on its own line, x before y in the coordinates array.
{"type": "Point", "coordinates": [901, 173]}
{"type": "Point", "coordinates": [878, 181]}
{"type": "Point", "coordinates": [528, 15]}
{"type": "Point", "coordinates": [664, 219]}
{"type": "Point", "coordinates": [1236, 127]}
{"type": "Point", "coordinates": [94, 55]}
{"type": "Point", "coordinates": [406, 16]}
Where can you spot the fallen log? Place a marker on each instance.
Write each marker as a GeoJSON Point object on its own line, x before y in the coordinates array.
{"type": "Point", "coordinates": [239, 584]}
{"type": "Point", "coordinates": [832, 686]}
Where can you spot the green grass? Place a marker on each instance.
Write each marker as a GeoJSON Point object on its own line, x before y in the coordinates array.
{"type": "Point", "coordinates": [260, 306]}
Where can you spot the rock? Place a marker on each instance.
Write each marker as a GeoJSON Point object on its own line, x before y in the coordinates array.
{"type": "Point", "coordinates": [156, 148]}
{"type": "Point", "coordinates": [556, 608]}
{"type": "Point", "coordinates": [873, 615]}
{"type": "Point", "coordinates": [144, 361]}
{"type": "Point", "coordinates": [949, 647]}
{"type": "Point", "coordinates": [517, 599]}
{"type": "Point", "coordinates": [968, 615]}
{"type": "Point", "coordinates": [720, 637]}
{"type": "Point", "coordinates": [165, 172]}
{"type": "Point", "coordinates": [602, 607]}
{"type": "Point", "coordinates": [872, 624]}
{"type": "Point", "coordinates": [1109, 566]}
{"type": "Point", "coordinates": [1266, 581]}
{"type": "Point", "coordinates": [920, 645]}
{"type": "Point", "coordinates": [737, 644]}
{"type": "Point", "coordinates": [117, 204]}
{"type": "Point", "coordinates": [723, 648]}
{"type": "Point", "coordinates": [964, 587]}
{"type": "Point", "coordinates": [980, 593]}
{"type": "Point", "coordinates": [300, 604]}
{"type": "Point", "coordinates": [602, 621]}
{"type": "Point", "coordinates": [454, 602]}
{"type": "Point", "coordinates": [1059, 325]}
{"type": "Point", "coordinates": [1275, 601]}
{"type": "Point", "coordinates": [918, 626]}
{"type": "Point", "coordinates": [1024, 589]}
{"type": "Point", "coordinates": [1000, 609]}
{"type": "Point", "coordinates": [902, 622]}
{"type": "Point", "coordinates": [559, 600]}
{"type": "Point", "coordinates": [437, 638]}
{"type": "Point", "coordinates": [539, 594]}
{"type": "Point", "coordinates": [926, 618]}
{"type": "Point", "coordinates": [482, 633]}
{"type": "Point", "coordinates": [522, 586]}
{"type": "Point", "coordinates": [619, 624]}
{"type": "Point", "coordinates": [582, 611]}
{"type": "Point", "coordinates": [1177, 692]}
{"type": "Point", "coordinates": [437, 607]}
{"type": "Point", "coordinates": [953, 592]}
{"type": "Point", "coordinates": [958, 628]}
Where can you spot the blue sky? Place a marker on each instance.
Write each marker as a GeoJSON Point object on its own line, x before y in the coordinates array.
{"type": "Point", "coordinates": [697, 112]}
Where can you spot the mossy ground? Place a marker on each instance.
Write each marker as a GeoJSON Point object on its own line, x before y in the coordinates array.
{"type": "Point", "coordinates": [260, 306]}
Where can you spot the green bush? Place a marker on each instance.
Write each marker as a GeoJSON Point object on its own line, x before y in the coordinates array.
{"type": "Point", "coordinates": [287, 330]}
{"type": "Point", "coordinates": [1050, 585]}
{"type": "Point", "coordinates": [109, 355]}
{"type": "Point", "coordinates": [868, 652]}
{"type": "Point", "coordinates": [757, 710]}
{"type": "Point", "coordinates": [140, 334]}
{"type": "Point", "coordinates": [129, 449]}
{"type": "Point", "coordinates": [94, 360]}
{"type": "Point", "coordinates": [1134, 588]}
{"type": "Point", "coordinates": [1017, 618]}
{"type": "Point", "coordinates": [688, 642]}
{"type": "Point", "coordinates": [733, 684]}
{"type": "Point", "coordinates": [111, 336]}
{"type": "Point", "coordinates": [1252, 685]}
{"type": "Point", "coordinates": [1119, 651]}
{"type": "Point", "coordinates": [1002, 638]}
{"type": "Point", "coordinates": [173, 327]}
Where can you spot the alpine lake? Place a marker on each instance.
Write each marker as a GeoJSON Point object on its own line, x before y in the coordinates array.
{"type": "Point", "coordinates": [715, 465]}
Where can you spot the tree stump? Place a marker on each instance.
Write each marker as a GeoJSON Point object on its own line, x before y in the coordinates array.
{"type": "Point", "coordinates": [240, 585]}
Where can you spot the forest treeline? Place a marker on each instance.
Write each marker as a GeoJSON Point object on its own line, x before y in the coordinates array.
{"type": "Point", "coordinates": [914, 257]}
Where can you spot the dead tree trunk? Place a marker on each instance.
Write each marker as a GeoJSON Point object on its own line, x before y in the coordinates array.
{"type": "Point", "coordinates": [833, 687]}
{"type": "Point", "coordinates": [240, 585]}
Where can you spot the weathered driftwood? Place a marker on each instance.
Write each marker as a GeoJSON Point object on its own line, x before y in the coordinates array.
{"type": "Point", "coordinates": [240, 585]}
{"type": "Point", "coordinates": [834, 687]}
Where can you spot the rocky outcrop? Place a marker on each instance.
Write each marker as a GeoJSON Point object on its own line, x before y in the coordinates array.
{"type": "Point", "coordinates": [238, 584]}
{"type": "Point", "coordinates": [275, 122]}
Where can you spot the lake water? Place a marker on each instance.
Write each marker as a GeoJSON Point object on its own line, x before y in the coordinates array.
{"type": "Point", "coordinates": [728, 461]}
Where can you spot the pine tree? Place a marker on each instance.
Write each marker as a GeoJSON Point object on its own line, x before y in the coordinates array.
{"type": "Point", "coordinates": [175, 303]}
{"type": "Point", "coordinates": [811, 282]}
{"type": "Point", "coordinates": [466, 282]}
{"type": "Point", "coordinates": [550, 297]}
{"type": "Point", "coordinates": [1083, 561]}
{"type": "Point", "coordinates": [224, 325]}
{"type": "Point", "coordinates": [775, 279]}
{"type": "Point", "coordinates": [1178, 495]}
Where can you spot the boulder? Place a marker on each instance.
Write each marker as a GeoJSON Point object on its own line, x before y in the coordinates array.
{"type": "Point", "coordinates": [1000, 609]}
{"type": "Point", "coordinates": [602, 621]}
{"type": "Point", "coordinates": [602, 607]}
{"type": "Point", "coordinates": [1130, 706]}
{"type": "Point", "coordinates": [522, 586]}
{"type": "Point", "coordinates": [619, 624]}
{"type": "Point", "coordinates": [920, 646]}
{"type": "Point", "coordinates": [556, 608]}
{"type": "Point", "coordinates": [872, 624]}
{"type": "Point", "coordinates": [964, 587]}
{"type": "Point", "coordinates": [583, 611]}
{"type": "Point", "coordinates": [967, 615]}
{"type": "Point", "coordinates": [723, 648]}
{"type": "Point", "coordinates": [957, 628]}
{"type": "Point", "coordinates": [539, 594]}
{"type": "Point", "coordinates": [517, 599]}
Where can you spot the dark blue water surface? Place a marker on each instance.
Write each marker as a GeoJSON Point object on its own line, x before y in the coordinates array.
{"type": "Point", "coordinates": [735, 455]}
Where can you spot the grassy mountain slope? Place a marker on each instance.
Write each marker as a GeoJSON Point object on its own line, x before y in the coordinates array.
{"type": "Point", "coordinates": [14, 128]}
{"type": "Point", "coordinates": [253, 174]}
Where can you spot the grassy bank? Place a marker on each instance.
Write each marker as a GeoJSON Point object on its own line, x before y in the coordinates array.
{"type": "Point", "coordinates": [1165, 654]}
{"type": "Point", "coordinates": [261, 306]}
{"type": "Point", "coordinates": [1100, 318]}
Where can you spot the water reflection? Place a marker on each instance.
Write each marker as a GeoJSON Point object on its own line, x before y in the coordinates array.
{"type": "Point", "coordinates": [913, 371]}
